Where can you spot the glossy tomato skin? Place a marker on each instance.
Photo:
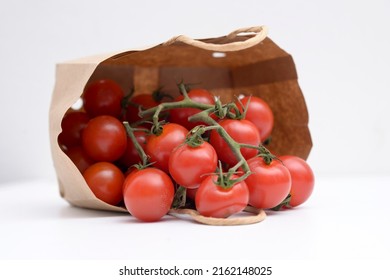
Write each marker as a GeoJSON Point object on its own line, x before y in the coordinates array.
{"type": "Point", "coordinates": [181, 115]}
{"type": "Point", "coordinates": [106, 181]}
{"type": "Point", "coordinates": [160, 147]}
{"type": "Point", "coordinates": [259, 113]}
{"type": "Point", "coordinates": [302, 179]}
{"type": "Point", "coordinates": [148, 194]}
{"type": "Point", "coordinates": [104, 138]}
{"type": "Point", "coordinates": [143, 100]}
{"type": "Point", "coordinates": [80, 158]}
{"type": "Point", "coordinates": [215, 201]}
{"type": "Point", "coordinates": [103, 97]}
{"type": "Point", "coordinates": [269, 184]}
{"type": "Point", "coordinates": [72, 126]}
{"type": "Point", "coordinates": [242, 131]}
{"type": "Point", "coordinates": [131, 156]}
{"type": "Point", "coordinates": [189, 165]}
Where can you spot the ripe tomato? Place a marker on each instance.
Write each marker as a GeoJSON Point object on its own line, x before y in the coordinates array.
{"type": "Point", "coordinates": [143, 100]}
{"type": "Point", "coordinates": [105, 180]}
{"type": "Point", "coordinates": [80, 158]}
{"type": "Point", "coordinates": [181, 115]}
{"type": "Point", "coordinates": [72, 126]}
{"type": "Point", "coordinates": [104, 138]}
{"type": "Point", "coordinates": [160, 147]}
{"type": "Point", "coordinates": [131, 156]}
{"type": "Point", "coordinates": [242, 131]}
{"type": "Point", "coordinates": [103, 97]}
{"type": "Point", "coordinates": [215, 201]}
{"type": "Point", "coordinates": [269, 184]}
{"type": "Point", "coordinates": [302, 179]}
{"type": "Point", "coordinates": [259, 113]}
{"type": "Point", "coordinates": [188, 165]}
{"type": "Point", "coordinates": [148, 194]}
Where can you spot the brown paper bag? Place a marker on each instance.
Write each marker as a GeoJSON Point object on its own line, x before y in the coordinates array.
{"type": "Point", "coordinates": [238, 63]}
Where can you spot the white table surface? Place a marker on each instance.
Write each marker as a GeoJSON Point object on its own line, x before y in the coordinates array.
{"type": "Point", "coordinates": [346, 218]}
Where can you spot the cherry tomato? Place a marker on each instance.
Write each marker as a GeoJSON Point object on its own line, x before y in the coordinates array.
{"type": "Point", "coordinates": [104, 138]}
{"type": "Point", "coordinates": [215, 201]}
{"type": "Point", "coordinates": [80, 158]}
{"type": "Point", "coordinates": [242, 131]}
{"type": "Point", "coordinates": [189, 165]}
{"type": "Point", "coordinates": [160, 147]}
{"type": "Point", "coordinates": [103, 97]}
{"type": "Point", "coordinates": [269, 184]}
{"type": "Point", "coordinates": [72, 126]}
{"type": "Point", "coordinates": [130, 156]}
{"type": "Point", "coordinates": [259, 113]}
{"type": "Point", "coordinates": [106, 181]}
{"type": "Point", "coordinates": [302, 179]}
{"type": "Point", "coordinates": [181, 115]}
{"type": "Point", "coordinates": [148, 194]}
{"type": "Point", "coordinates": [143, 100]}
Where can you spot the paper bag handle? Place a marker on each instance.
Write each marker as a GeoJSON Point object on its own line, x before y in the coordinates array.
{"type": "Point", "coordinates": [260, 34]}
{"type": "Point", "coordinates": [259, 215]}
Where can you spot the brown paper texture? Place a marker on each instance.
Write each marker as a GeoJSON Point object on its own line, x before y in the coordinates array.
{"type": "Point", "coordinates": [264, 70]}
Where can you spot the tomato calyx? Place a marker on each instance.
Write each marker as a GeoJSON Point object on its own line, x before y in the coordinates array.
{"type": "Point", "coordinates": [267, 156]}
{"type": "Point", "coordinates": [180, 198]}
{"type": "Point", "coordinates": [126, 100]}
{"type": "Point", "coordinates": [284, 204]}
{"type": "Point", "coordinates": [224, 179]}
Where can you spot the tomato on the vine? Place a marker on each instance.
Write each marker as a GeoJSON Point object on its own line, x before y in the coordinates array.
{"type": "Point", "coordinates": [103, 97]}
{"type": "Point", "coordinates": [104, 138]}
{"type": "Point", "coordinates": [72, 126]}
{"type": "Point", "coordinates": [106, 181]}
{"type": "Point", "coordinates": [302, 179]}
{"type": "Point", "coordinates": [148, 194]}
{"type": "Point", "coordinates": [181, 115]}
{"type": "Point", "coordinates": [131, 156]}
{"type": "Point", "coordinates": [212, 200]}
{"type": "Point", "coordinates": [243, 132]}
{"type": "Point", "coordinates": [159, 147]}
{"type": "Point", "coordinates": [189, 165]}
{"type": "Point", "coordinates": [259, 113]}
{"type": "Point", "coordinates": [268, 184]}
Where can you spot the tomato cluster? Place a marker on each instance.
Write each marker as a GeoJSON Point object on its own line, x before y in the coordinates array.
{"type": "Point", "coordinates": [196, 146]}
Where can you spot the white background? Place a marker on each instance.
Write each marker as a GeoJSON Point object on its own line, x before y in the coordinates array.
{"type": "Point", "coordinates": [341, 51]}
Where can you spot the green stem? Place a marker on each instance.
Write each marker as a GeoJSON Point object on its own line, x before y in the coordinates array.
{"type": "Point", "coordinates": [204, 116]}
{"type": "Point", "coordinates": [233, 145]}
{"type": "Point", "coordinates": [130, 132]}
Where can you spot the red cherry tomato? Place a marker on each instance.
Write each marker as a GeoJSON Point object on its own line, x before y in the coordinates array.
{"type": "Point", "coordinates": [72, 126]}
{"type": "Point", "coordinates": [144, 100]}
{"type": "Point", "coordinates": [269, 184]}
{"type": "Point", "coordinates": [189, 165]}
{"type": "Point", "coordinates": [160, 147]}
{"type": "Point", "coordinates": [242, 131]}
{"type": "Point", "coordinates": [259, 113]}
{"type": "Point", "coordinates": [104, 138]}
{"type": "Point", "coordinates": [215, 201]}
{"type": "Point", "coordinates": [181, 115]}
{"type": "Point", "coordinates": [148, 194]}
{"type": "Point", "coordinates": [106, 181]}
{"type": "Point", "coordinates": [130, 156]}
{"type": "Point", "coordinates": [103, 97]}
{"type": "Point", "coordinates": [302, 179]}
{"type": "Point", "coordinates": [80, 158]}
